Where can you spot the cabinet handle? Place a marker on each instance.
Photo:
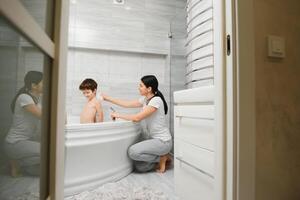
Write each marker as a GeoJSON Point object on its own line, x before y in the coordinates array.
{"type": "Point", "coordinates": [194, 167]}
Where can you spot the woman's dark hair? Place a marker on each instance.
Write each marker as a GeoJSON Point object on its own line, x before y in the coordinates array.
{"type": "Point", "coordinates": [151, 81]}
{"type": "Point", "coordinates": [30, 78]}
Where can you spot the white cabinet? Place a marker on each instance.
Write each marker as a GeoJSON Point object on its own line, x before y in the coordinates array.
{"type": "Point", "coordinates": [194, 124]}
{"type": "Point", "coordinates": [190, 183]}
{"type": "Point", "coordinates": [194, 143]}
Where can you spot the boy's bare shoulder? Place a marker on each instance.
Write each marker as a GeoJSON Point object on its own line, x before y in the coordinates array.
{"type": "Point", "coordinates": [96, 102]}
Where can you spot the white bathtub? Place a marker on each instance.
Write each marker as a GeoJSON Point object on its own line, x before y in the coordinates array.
{"type": "Point", "coordinates": [97, 154]}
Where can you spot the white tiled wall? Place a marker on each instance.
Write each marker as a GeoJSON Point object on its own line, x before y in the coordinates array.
{"type": "Point", "coordinates": [37, 9]}
{"type": "Point", "coordinates": [138, 25]}
{"type": "Point", "coordinates": [118, 44]}
{"type": "Point", "coordinates": [117, 74]}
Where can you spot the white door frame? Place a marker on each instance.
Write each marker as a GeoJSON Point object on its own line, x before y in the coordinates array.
{"type": "Point", "coordinates": [219, 99]}
{"type": "Point", "coordinates": [58, 86]}
{"type": "Point", "coordinates": [240, 89]}
{"type": "Point", "coordinates": [240, 93]}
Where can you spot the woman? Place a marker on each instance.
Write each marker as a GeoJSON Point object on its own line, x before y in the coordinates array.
{"type": "Point", "coordinates": [148, 153]}
{"type": "Point", "coordinates": [21, 143]}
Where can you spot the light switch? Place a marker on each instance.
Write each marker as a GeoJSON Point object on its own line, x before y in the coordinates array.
{"type": "Point", "coordinates": [276, 46]}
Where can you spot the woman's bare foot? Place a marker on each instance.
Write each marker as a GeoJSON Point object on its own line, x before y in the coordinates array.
{"type": "Point", "coordinates": [14, 168]}
{"type": "Point", "coordinates": [164, 163]}
{"type": "Point", "coordinates": [169, 159]}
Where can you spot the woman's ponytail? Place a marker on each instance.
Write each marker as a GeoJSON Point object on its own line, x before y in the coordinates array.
{"type": "Point", "coordinates": [158, 93]}
{"type": "Point", "coordinates": [13, 103]}
{"type": "Point", "coordinates": [151, 81]}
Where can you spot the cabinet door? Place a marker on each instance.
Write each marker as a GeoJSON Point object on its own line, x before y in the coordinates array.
{"type": "Point", "coordinates": [194, 169]}
{"type": "Point", "coordinates": [193, 130]}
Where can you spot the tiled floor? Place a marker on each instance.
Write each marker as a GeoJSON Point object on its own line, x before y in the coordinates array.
{"type": "Point", "coordinates": [11, 188]}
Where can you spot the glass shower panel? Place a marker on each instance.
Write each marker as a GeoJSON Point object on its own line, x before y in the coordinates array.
{"type": "Point", "coordinates": [42, 13]}
{"type": "Point", "coordinates": [24, 117]}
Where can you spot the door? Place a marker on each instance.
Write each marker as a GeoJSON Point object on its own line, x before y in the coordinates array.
{"type": "Point", "coordinates": [200, 110]}
{"type": "Point", "coordinates": [232, 103]}
{"type": "Point", "coordinates": [240, 100]}
{"type": "Point", "coordinates": [32, 46]}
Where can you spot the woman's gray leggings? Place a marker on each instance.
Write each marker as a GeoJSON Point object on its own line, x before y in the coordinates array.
{"type": "Point", "coordinates": [27, 153]}
{"type": "Point", "coordinates": [146, 154]}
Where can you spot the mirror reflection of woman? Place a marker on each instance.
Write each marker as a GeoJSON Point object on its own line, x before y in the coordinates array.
{"type": "Point", "coordinates": [153, 152]}
{"type": "Point", "coordinates": [21, 143]}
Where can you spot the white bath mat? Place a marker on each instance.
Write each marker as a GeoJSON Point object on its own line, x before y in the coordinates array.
{"type": "Point", "coordinates": [109, 191]}
{"type": "Point", "coordinates": [120, 191]}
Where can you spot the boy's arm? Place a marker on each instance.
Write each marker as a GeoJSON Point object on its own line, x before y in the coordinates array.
{"type": "Point", "coordinates": [99, 112]}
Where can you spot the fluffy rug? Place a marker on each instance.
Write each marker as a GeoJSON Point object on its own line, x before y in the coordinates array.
{"type": "Point", "coordinates": [120, 191]}
{"type": "Point", "coordinates": [110, 191]}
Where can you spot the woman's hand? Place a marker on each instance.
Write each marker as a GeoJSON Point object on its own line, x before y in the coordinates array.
{"type": "Point", "coordinates": [103, 97]}
{"type": "Point", "coordinates": [114, 115]}
{"type": "Point", "coordinates": [146, 112]}
{"type": "Point", "coordinates": [120, 102]}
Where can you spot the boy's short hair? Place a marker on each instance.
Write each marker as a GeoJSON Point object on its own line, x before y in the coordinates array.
{"type": "Point", "coordinates": [88, 84]}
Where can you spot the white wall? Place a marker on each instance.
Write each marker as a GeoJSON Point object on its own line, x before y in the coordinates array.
{"type": "Point", "coordinates": [117, 74]}
{"type": "Point", "coordinates": [277, 101]}
{"type": "Point", "coordinates": [118, 44]}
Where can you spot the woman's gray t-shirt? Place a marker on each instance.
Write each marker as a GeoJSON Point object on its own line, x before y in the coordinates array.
{"type": "Point", "coordinates": [156, 123]}
{"type": "Point", "coordinates": [24, 125]}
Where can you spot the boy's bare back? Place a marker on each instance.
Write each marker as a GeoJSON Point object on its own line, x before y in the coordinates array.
{"type": "Point", "coordinates": [90, 111]}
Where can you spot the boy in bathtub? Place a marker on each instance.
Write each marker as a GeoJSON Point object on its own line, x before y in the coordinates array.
{"type": "Point", "coordinates": [92, 111]}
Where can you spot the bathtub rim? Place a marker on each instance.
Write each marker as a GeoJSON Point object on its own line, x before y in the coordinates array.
{"type": "Point", "coordinates": [95, 133]}
{"type": "Point", "coordinates": [75, 127]}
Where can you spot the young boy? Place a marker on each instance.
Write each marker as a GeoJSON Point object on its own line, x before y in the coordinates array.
{"type": "Point", "coordinates": [92, 111]}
